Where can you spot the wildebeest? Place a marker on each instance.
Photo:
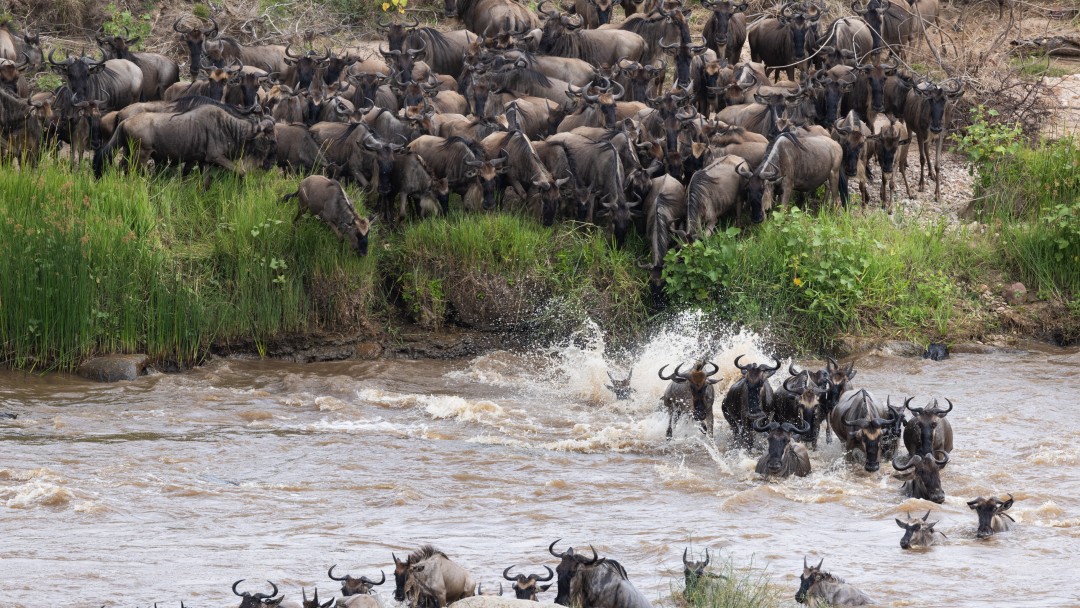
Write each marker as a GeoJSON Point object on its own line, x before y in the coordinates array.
{"type": "Point", "coordinates": [783, 457]}
{"type": "Point", "coordinates": [860, 422]}
{"type": "Point", "coordinates": [445, 49]}
{"type": "Point", "coordinates": [694, 572]}
{"type": "Point", "coordinates": [918, 533]}
{"type": "Point", "coordinates": [891, 24]}
{"type": "Point", "coordinates": [725, 31]}
{"type": "Point", "coordinates": [716, 192]}
{"type": "Point", "coordinates": [854, 135]}
{"type": "Point", "coordinates": [158, 71]}
{"type": "Point", "coordinates": [561, 37]}
{"type": "Point", "coordinates": [205, 43]}
{"type": "Point", "coordinates": [928, 431]}
{"type": "Point", "coordinates": [117, 82]}
{"type": "Point", "coordinates": [782, 43]}
{"type": "Point", "coordinates": [355, 586]}
{"type": "Point", "coordinates": [992, 515]}
{"type": "Point", "coordinates": [795, 162]}
{"type": "Point", "coordinates": [798, 401]}
{"type": "Point", "coordinates": [463, 163]}
{"type": "Point", "coordinates": [664, 205]}
{"type": "Point", "coordinates": [205, 135]}
{"type": "Point", "coordinates": [936, 351]}
{"type": "Point", "coordinates": [525, 586]}
{"type": "Point", "coordinates": [926, 114]}
{"type": "Point", "coordinates": [596, 166]}
{"type": "Point", "coordinates": [890, 147]}
{"type": "Point", "coordinates": [326, 199]}
{"type": "Point", "coordinates": [15, 46]}
{"type": "Point", "coordinates": [749, 398]}
{"type": "Point", "coordinates": [296, 150]}
{"type": "Point", "coordinates": [621, 388]}
{"type": "Point", "coordinates": [925, 480]}
{"type": "Point", "coordinates": [12, 79]}
{"type": "Point", "coordinates": [822, 587]}
{"type": "Point", "coordinates": [304, 603]}
{"type": "Point", "coordinates": [851, 34]}
{"type": "Point", "coordinates": [690, 392]}
{"type": "Point", "coordinates": [20, 128]}
{"type": "Point", "coordinates": [838, 378]}
{"type": "Point", "coordinates": [595, 582]}
{"type": "Point", "coordinates": [257, 600]}
{"type": "Point", "coordinates": [430, 576]}
{"type": "Point", "coordinates": [488, 601]}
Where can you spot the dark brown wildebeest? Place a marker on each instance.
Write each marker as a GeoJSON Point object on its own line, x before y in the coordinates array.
{"type": "Point", "coordinates": [595, 582]}
{"type": "Point", "coordinates": [890, 147]}
{"type": "Point", "coordinates": [355, 586]}
{"type": "Point", "coordinates": [257, 600]}
{"type": "Point", "coordinates": [445, 49]}
{"type": "Point", "coordinates": [463, 163]}
{"type": "Point", "coordinates": [798, 401]}
{"type": "Point", "coordinates": [204, 135]}
{"type": "Point", "coordinates": [926, 114]}
{"type": "Point", "coordinates": [158, 71]}
{"type": "Point", "coordinates": [725, 31]}
{"type": "Point", "coordinates": [918, 533]}
{"type": "Point", "coordinates": [783, 457]}
{"type": "Point", "coordinates": [526, 587]}
{"type": "Point", "coordinates": [817, 587]}
{"type": "Point", "coordinates": [301, 69]}
{"type": "Point", "coordinates": [665, 205]}
{"type": "Point", "coordinates": [621, 388]}
{"type": "Point", "coordinates": [492, 17]}
{"type": "Point", "coordinates": [925, 480]}
{"type": "Point", "coordinates": [690, 393]}
{"type": "Point", "coordinates": [892, 25]}
{"type": "Point", "coordinates": [562, 37]}
{"type": "Point", "coordinates": [860, 422]}
{"type": "Point", "coordinates": [992, 515]}
{"type": "Point", "coordinates": [21, 128]}
{"type": "Point", "coordinates": [748, 399]}
{"type": "Point", "coordinates": [213, 83]}
{"type": "Point", "coordinates": [326, 199]}
{"type": "Point", "coordinates": [854, 135]}
{"type": "Point", "coordinates": [694, 572]}
{"type": "Point", "coordinates": [782, 43]}
{"type": "Point", "coordinates": [116, 82]}
{"type": "Point", "coordinates": [12, 79]}
{"type": "Point", "coordinates": [795, 162]}
{"type": "Point", "coordinates": [928, 431]}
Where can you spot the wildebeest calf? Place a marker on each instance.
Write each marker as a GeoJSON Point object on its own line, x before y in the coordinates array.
{"type": "Point", "coordinates": [325, 198]}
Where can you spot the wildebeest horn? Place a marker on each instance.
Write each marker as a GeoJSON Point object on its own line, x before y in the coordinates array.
{"type": "Point", "coordinates": [263, 596]}
{"type": "Point", "coordinates": [549, 14]}
{"type": "Point", "coordinates": [53, 62]}
{"type": "Point", "coordinates": [1002, 506]}
{"type": "Point", "coordinates": [914, 460]}
{"type": "Point", "coordinates": [551, 575]}
{"type": "Point", "coordinates": [913, 410]}
{"type": "Point", "coordinates": [667, 46]}
{"type": "Point", "coordinates": [176, 26]}
{"type": "Point", "coordinates": [775, 367]}
{"type": "Point", "coordinates": [788, 388]}
{"type": "Point", "coordinates": [762, 425]}
{"type": "Point", "coordinates": [742, 367]}
{"type": "Point", "coordinates": [506, 573]}
{"type": "Point", "coordinates": [831, 363]}
{"type": "Point", "coordinates": [940, 463]}
{"type": "Point", "coordinates": [288, 47]}
{"type": "Point", "coordinates": [685, 563]}
{"type": "Point", "coordinates": [423, 48]}
{"type": "Point", "coordinates": [675, 377]}
{"type": "Point", "coordinates": [595, 556]}
{"type": "Point", "coordinates": [551, 547]}
{"type": "Point", "coordinates": [234, 587]}
{"type": "Point", "coordinates": [330, 573]}
{"type": "Point", "coordinates": [618, 95]}
{"type": "Point", "coordinates": [943, 413]}
{"type": "Point", "coordinates": [371, 582]}
{"type": "Point", "coordinates": [211, 33]}
{"type": "Point", "coordinates": [791, 428]}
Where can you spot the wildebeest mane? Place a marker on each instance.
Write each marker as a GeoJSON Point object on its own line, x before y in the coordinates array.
{"type": "Point", "coordinates": [347, 133]}
{"type": "Point", "coordinates": [697, 194]}
{"type": "Point", "coordinates": [191, 102]}
{"type": "Point", "coordinates": [509, 79]}
{"type": "Point", "coordinates": [518, 147]}
{"type": "Point", "coordinates": [456, 153]}
{"type": "Point", "coordinates": [571, 44]}
{"type": "Point", "coordinates": [439, 43]}
{"type": "Point", "coordinates": [424, 552]}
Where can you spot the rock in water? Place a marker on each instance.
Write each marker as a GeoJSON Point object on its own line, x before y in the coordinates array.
{"type": "Point", "coordinates": [936, 352]}
{"type": "Point", "coordinates": [113, 368]}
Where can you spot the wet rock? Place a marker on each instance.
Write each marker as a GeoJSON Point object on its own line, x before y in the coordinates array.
{"type": "Point", "coordinates": [900, 348]}
{"type": "Point", "coordinates": [8, 416]}
{"type": "Point", "coordinates": [369, 350]}
{"type": "Point", "coordinates": [113, 368]}
{"type": "Point", "coordinates": [935, 351]}
{"type": "Point", "coordinates": [1015, 294]}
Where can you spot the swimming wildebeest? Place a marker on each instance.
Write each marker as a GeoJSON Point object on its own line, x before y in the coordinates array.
{"type": "Point", "coordinates": [917, 532]}
{"type": "Point", "coordinates": [992, 515]}
{"type": "Point", "coordinates": [823, 587]}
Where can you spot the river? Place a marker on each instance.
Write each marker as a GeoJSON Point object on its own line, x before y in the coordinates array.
{"type": "Point", "coordinates": [173, 486]}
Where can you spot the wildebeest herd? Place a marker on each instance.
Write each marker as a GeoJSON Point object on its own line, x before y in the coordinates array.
{"type": "Point", "coordinates": [572, 113]}
{"type": "Point", "coordinates": [869, 431]}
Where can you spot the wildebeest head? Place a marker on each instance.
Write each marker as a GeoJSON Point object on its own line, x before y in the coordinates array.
{"type": "Point", "coordinates": [402, 62]}
{"type": "Point", "coordinates": [401, 575]}
{"type": "Point", "coordinates": [890, 142]}
{"type": "Point", "coordinates": [684, 53]}
{"type": "Point", "coordinates": [935, 351]}
{"type": "Point", "coordinates": [567, 568]}
{"type": "Point", "coordinates": [117, 47]}
{"type": "Point", "coordinates": [838, 381]}
{"type": "Point", "coordinates": [926, 483]}
{"type": "Point", "coordinates": [556, 25]}
{"type": "Point", "coordinates": [396, 32]}
{"type": "Point", "coordinates": [852, 142]}
{"type": "Point", "coordinates": [722, 11]}
{"type": "Point", "coordinates": [384, 159]}
{"type": "Point", "coordinates": [868, 434]}
{"type": "Point", "coordinates": [355, 586]}
{"type": "Point", "coordinates": [801, 27]}
{"type": "Point", "coordinates": [811, 576]}
{"type": "Point", "coordinates": [306, 65]}
{"type": "Point", "coordinates": [987, 509]}
{"type": "Point", "coordinates": [876, 75]}
{"type": "Point", "coordinates": [10, 73]}
{"type": "Point", "coordinates": [779, 440]}
{"type": "Point", "coordinates": [917, 532]}
{"type": "Point", "coordinates": [480, 590]}
{"type": "Point", "coordinates": [754, 375]}
{"type": "Point", "coordinates": [621, 388]}
{"type": "Point", "coordinates": [604, 99]}
{"type": "Point", "coordinates": [832, 90]}
{"type": "Point", "coordinates": [622, 217]}
{"type": "Point", "coordinates": [487, 173]}
{"type": "Point", "coordinates": [698, 378]}
{"type": "Point", "coordinates": [693, 571]}
{"type": "Point", "coordinates": [257, 600]}
{"type": "Point", "coordinates": [261, 146]}
{"type": "Point", "coordinates": [526, 587]}
{"type": "Point", "coordinates": [86, 115]}
{"type": "Point", "coordinates": [314, 601]}
{"type": "Point", "coordinates": [195, 39]}
{"type": "Point", "coordinates": [937, 96]}
{"type": "Point", "coordinates": [77, 71]}
{"type": "Point", "coordinates": [873, 15]}
{"type": "Point", "coordinates": [807, 393]}
{"type": "Point", "coordinates": [925, 422]}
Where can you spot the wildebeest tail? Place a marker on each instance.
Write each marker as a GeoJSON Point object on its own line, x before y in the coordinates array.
{"type": "Point", "coordinates": [290, 196]}
{"type": "Point", "coordinates": [104, 154]}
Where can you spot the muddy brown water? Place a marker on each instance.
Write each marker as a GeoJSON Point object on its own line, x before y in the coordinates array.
{"type": "Point", "coordinates": [174, 486]}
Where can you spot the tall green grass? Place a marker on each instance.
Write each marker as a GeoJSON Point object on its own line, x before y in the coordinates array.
{"type": "Point", "coordinates": [732, 587]}
{"type": "Point", "coordinates": [156, 265]}
{"type": "Point", "coordinates": [810, 278]}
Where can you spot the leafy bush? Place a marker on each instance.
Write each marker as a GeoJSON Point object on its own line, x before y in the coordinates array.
{"type": "Point", "coordinates": [733, 587]}
{"type": "Point", "coordinates": [986, 143]}
{"type": "Point", "coordinates": [122, 23]}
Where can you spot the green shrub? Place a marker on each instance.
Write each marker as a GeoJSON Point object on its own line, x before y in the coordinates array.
{"type": "Point", "coordinates": [732, 587]}
{"type": "Point", "coordinates": [122, 23]}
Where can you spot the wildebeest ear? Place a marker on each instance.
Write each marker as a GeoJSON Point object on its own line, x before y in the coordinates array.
{"type": "Point", "coordinates": [544, 587]}
{"type": "Point", "coordinates": [852, 374]}
{"type": "Point", "coordinates": [900, 523]}
{"type": "Point", "coordinates": [974, 504]}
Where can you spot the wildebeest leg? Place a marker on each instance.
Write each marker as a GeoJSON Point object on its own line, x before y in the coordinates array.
{"type": "Point", "coordinates": [937, 168]}
{"type": "Point", "coordinates": [864, 192]}
{"type": "Point", "coordinates": [206, 177]}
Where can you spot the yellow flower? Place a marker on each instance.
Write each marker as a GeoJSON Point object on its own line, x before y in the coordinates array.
{"type": "Point", "coordinates": [385, 6]}
{"type": "Point", "coordinates": [797, 281]}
